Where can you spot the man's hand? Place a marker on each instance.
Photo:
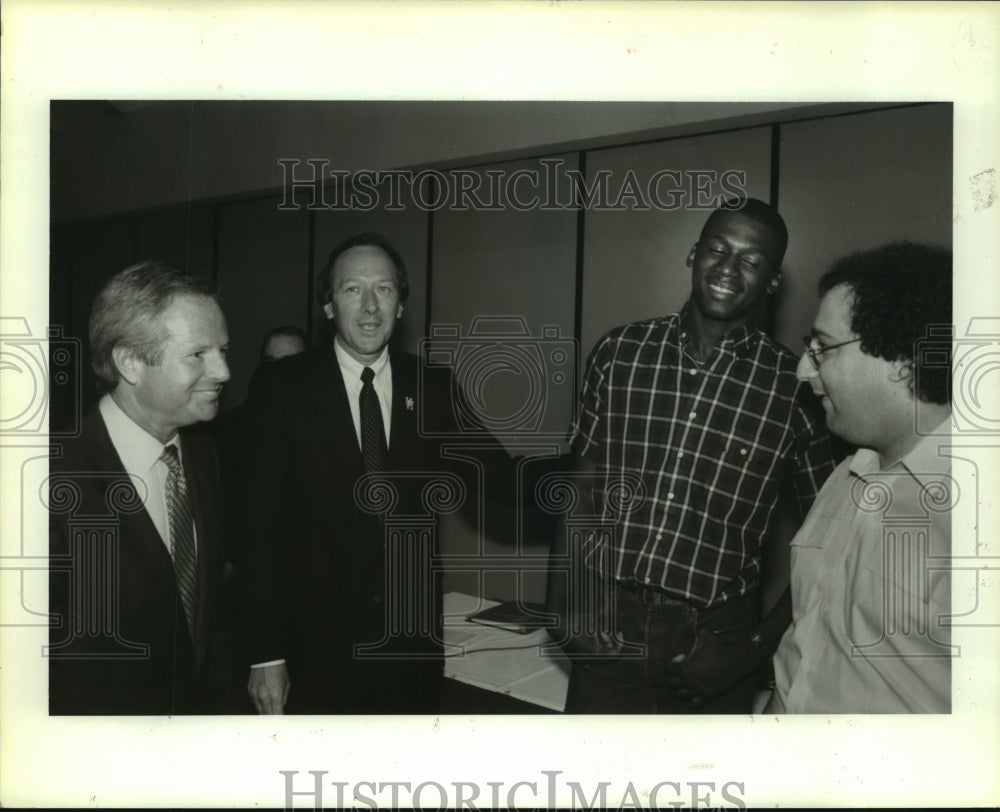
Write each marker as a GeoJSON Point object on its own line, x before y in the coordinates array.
{"type": "Point", "coordinates": [268, 688]}
{"type": "Point", "coordinates": [598, 644]}
{"type": "Point", "coordinates": [711, 668]}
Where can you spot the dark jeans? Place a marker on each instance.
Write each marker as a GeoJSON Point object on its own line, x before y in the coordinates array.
{"type": "Point", "coordinates": [656, 628]}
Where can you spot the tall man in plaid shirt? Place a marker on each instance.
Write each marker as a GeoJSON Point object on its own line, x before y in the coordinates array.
{"type": "Point", "coordinates": [700, 416]}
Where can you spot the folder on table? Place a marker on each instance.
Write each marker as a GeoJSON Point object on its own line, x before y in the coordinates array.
{"type": "Point", "coordinates": [514, 616]}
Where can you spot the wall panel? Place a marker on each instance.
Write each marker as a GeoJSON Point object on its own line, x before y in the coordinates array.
{"type": "Point", "coordinates": [855, 182]}
{"type": "Point", "coordinates": [506, 279]}
{"type": "Point", "coordinates": [512, 274]}
{"type": "Point", "coordinates": [100, 250]}
{"type": "Point", "coordinates": [263, 272]}
{"type": "Point", "coordinates": [183, 238]}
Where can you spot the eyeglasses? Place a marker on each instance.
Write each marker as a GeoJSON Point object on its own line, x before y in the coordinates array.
{"type": "Point", "coordinates": [814, 353]}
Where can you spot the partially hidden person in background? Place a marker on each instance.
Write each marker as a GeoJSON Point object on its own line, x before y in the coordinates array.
{"type": "Point", "coordinates": [281, 342]}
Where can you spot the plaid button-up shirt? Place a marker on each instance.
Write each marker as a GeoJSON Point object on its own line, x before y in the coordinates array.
{"type": "Point", "coordinates": [708, 447]}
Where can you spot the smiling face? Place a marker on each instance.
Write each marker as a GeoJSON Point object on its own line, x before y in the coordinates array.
{"type": "Point", "coordinates": [184, 387]}
{"type": "Point", "coordinates": [866, 399]}
{"type": "Point", "coordinates": [733, 265]}
{"type": "Point", "coordinates": [365, 301]}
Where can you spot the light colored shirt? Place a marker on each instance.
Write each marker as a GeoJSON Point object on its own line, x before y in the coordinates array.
{"type": "Point", "coordinates": [351, 370]}
{"type": "Point", "coordinates": [140, 454]}
{"type": "Point", "coordinates": [871, 591]}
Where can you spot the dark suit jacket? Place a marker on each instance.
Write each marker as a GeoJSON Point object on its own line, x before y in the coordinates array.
{"type": "Point", "coordinates": [121, 644]}
{"type": "Point", "coordinates": [311, 565]}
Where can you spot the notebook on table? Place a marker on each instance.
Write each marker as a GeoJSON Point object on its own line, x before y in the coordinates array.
{"type": "Point", "coordinates": [514, 616]}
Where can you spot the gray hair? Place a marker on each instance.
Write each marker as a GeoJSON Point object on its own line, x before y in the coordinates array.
{"type": "Point", "coordinates": [126, 313]}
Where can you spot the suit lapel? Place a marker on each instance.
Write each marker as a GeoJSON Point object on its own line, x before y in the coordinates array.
{"type": "Point", "coordinates": [403, 429]}
{"type": "Point", "coordinates": [333, 412]}
{"type": "Point", "coordinates": [139, 540]}
{"type": "Point", "coordinates": [138, 526]}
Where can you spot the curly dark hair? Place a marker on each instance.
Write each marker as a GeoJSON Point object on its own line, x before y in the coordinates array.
{"type": "Point", "coordinates": [902, 310]}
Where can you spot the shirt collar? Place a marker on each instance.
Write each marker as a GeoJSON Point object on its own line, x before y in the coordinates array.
{"type": "Point", "coordinates": [923, 462]}
{"type": "Point", "coordinates": [740, 340]}
{"type": "Point", "coordinates": [351, 368]}
{"type": "Point", "coordinates": [138, 449]}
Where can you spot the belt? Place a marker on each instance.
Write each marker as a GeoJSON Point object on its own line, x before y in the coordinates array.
{"type": "Point", "coordinates": [654, 596]}
{"type": "Point", "coordinates": [650, 595]}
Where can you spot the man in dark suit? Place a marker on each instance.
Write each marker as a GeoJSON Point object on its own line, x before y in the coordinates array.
{"type": "Point", "coordinates": [341, 615]}
{"type": "Point", "coordinates": [135, 563]}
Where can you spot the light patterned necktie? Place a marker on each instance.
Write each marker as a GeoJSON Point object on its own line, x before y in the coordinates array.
{"type": "Point", "coordinates": [182, 544]}
{"type": "Point", "coordinates": [374, 451]}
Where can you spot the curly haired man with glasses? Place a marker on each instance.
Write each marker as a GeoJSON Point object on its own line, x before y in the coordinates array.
{"type": "Point", "coordinates": [870, 594]}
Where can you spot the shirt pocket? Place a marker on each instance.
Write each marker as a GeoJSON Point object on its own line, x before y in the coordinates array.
{"type": "Point", "coordinates": [813, 558]}
{"type": "Point", "coordinates": [820, 531]}
{"type": "Point", "coordinates": [752, 469]}
{"type": "Point", "coordinates": [896, 558]}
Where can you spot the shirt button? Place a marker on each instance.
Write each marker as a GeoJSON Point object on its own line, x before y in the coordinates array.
{"type": "Point", "coordinates": [680, 455]}
{"type": "Point", "coordinates": [743, 451]}
{"type": "Point", "coordinates": [692, 415]}
{"type": "Point", "coordinates": [659, 536]}
{"type": "Point", "coordinates": [670, 496]}
{"type": "Point", "coordinates": [693, 371]}
{"type": "Point", "coordinates": [377, 598]}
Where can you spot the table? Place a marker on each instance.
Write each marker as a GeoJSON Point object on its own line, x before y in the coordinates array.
{"type": "Point", "coordinates": [507, 663]}
{"type": "Point", "coordinates": [501, 661]}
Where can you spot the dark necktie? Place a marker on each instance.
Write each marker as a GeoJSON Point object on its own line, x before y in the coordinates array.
{"type": "Point", "coordinates": [374, 451]}
{"type": "Point", "coordinates": [182, 544]}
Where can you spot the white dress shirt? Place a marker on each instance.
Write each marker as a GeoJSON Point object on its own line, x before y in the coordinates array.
{"type": "Point", "coordinates": [351, 369]}
{"type": "Point", "coordinates": [140, 454]}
